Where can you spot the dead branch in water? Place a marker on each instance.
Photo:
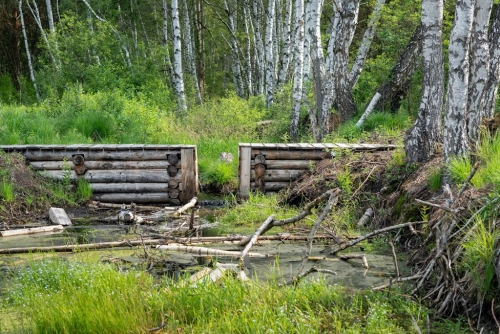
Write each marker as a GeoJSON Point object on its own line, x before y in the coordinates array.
{"type": "Point", "coordinates": [313, 269]}
{"type": "Point", "coordinates": [254, 238]}
{"type": "Point", "coordinates": [207, 251]}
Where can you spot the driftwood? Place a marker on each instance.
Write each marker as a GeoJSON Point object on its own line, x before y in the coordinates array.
{"type": "Point", "coordinates": [32, 230]}
{"type": "Point", "coordinates": [81, 247]}
{"type": "Point", "coordinates": [207, 251]}
{"type": "Point", "coordinates": [296, 279]}
{"type": "Point", "coordinates": [362, 257]}
{"type": "Point", "coordinates": [397, 280]}
{"type": "Point", "coordinates": [185, 207]}
{"type": "Point", "coordinates": [366, 217]}
{"type": "Point", "coordinates": [304, 213]}
{"type": "Point", "coordinates": [233, 239]}
{"type": "Point", "coordinates": [372, 234]}
{"type": "Point", "coordinates": [254, 238]}
{"type": "Point", "coordinates": [436, 205]}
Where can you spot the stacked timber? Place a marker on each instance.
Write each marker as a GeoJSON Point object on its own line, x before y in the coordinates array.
{"type": "Point", "coordinates": [165, 174]}
{"type": "Point", "coordinates": [272, 167]}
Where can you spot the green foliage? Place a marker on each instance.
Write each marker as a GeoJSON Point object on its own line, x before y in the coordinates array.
{"type": "Point", "coordinates": [435, 179]}
{"type": "Point", "coordinates": [344, 181]}
{"type": "Point", "coordinates": [7, 191]}
{"type": "Point", "coordinates": [8, 93]}
{"type": "Point", "coordinates": [83, 190]}
{"type": "Point", "coordinates": [459, 168]}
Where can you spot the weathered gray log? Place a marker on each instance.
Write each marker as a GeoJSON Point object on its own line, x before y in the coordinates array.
{"type": "Point", "coordinates": [173, 193]}
{"type": "Point", "coordinates": [172, 184]}
{"type": "Point", "coordinates": [97, 204]}
{"type": "Point", "coordinates": [114, 165]}
{"type": "Point", "coordinates": [362, 257]}
{"type": "Point", "coordinates": [133, 197]}
{"type": "Point", "coordinates": [115, 176]}
{"type": "Point", "coordinates": [172, 171]}
{"type": "Point", "coordinates": [98, 188]}
{"type": "Point", "coordinates": [59, 217]}
{"type": "Point", "coordinates": [255, 237]}
{"type": "Point", "coordinates": [366, 217]}
{"type": "Point", "coordinates": [189, 178]}
{"type": "Point", "coordinates": [288, 164]}
{"type": "Point", "coordinates": [172, 159]}
{"type": "Point", "coordinates": [272, 186]}
{"type": "Point", "coordinates": [292, 155]}
{"type": "Point", "coordinates": [277, 175]}
{"type": "Point", "coordinates": [207, 251]}
{"type": "Point", "coordinates": [259, 159]}
{"type": "Point", "coordinates": [132, 155]}
{"type": "Point", "coordinates": [32, 230]}
{"type": "Point", "coordinates": [244, 171]}
{"type": "Point", "coordinates": [187, 206]}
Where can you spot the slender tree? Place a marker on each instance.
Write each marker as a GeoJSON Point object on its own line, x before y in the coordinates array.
{"type": "Point", "coordinates": [422, 138]}
{"type": "Point", "coordinates": [178, 77]}
{"type": "Point", "coordinates": [190, 53]}
{"type": "Point", "coordinates": [299, 66]}
{"type": "Point", "coordinates": [28, 53]}
{"type": "Point", "coordinates": [269, 54]}
{"type": "Point", "coordinates": [491, 89]}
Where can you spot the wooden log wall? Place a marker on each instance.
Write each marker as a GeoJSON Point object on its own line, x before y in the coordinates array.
{"type": "Point", "coordinates": [161, 174]}
{"type": "Point", "coordinates": [272, 167]}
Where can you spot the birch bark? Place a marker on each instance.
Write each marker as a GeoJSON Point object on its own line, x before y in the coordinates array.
{"type": "Point", "coordinates": [285, 39]}
{"type": "Point", "coordinates": [189, 55]}
{"type": "Point", "coordinates": [259, 48]}
{"type": "Point", "coordinates": [491, 89]}
{"type": "Point", "coordinates": [235, 61]}
{"type": "Point", "coordinates": [28, 54]}
{"type": "Point", "coordinates": [422, 137]}
{"type": "Point", "coordinates": [178, 79]}
{"type": "Point", "coordinates": [269, 54]}
{"type": "Point", "coordinates": [168, 62]}
{"type": "Point", "coordinates": [298, 72]}
{"type": "Point", "coordinates": [455, 137]}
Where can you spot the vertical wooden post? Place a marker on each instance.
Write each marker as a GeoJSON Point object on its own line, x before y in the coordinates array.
{"type": "Point", "coordinates": [189, 178]}
{"type": "Point", "coordinates": [245, 157]}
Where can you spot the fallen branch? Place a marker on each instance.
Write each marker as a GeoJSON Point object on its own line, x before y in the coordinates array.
{"type": "Point", "coordinates": [394, 258]}
{"type": "Point", "coordinates": [366, 217]}
{"type": "Point", "coordinates": [369, 235]}
{"type": "Point", "coordinates": [313, 269]}
{"type": "Point", "coordinates": [362, 257]}
{"type": "Point", "coordinates": [397, 280]}
{"type": "Point", "coordinates": [183, 208]}
{"type": "Point", "coordinates": [231, 239]}
{"type": "Point", "coordinates": [467, 180]}
{"type": "Point", "coordinates": [254, 238]}
{"type": "Point", "coordinates": [207, 251]}
{"type": "Point", "coordinates": [33, 230]}
{"type": "Point", "coordinates": [362, 184]}
{"type": "Point", "coordinates": [435, 205]}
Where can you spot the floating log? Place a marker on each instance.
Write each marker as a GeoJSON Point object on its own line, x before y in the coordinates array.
{"type": "Point", "coordinates": [115, 176]}
{"type": "Point", "coordinates": [288, 164]}
{"type": "Point", "coordinates": [33, 230]}
{"type": "Point", "coordinates": [133, 197]}
{"type": "Point", "coordinates": [60, 165]}
{"type": "Point", "coordinates": [128, 187]}
{"type": "Point", "coordinates": [59, 217]}
{"type": "Point", "coordinates": [207, 251]}
{"type": "Point", "coordinates": [277, 175]}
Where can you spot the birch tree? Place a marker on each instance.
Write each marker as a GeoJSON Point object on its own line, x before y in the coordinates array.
{"type": "Point", "coordinates": [455, 137]}
{"type": "Point", "coordinates": [299, 66]}
{"type": "Point", "coordinates": [422, 137]}
{"type": "Point", "coordinates": [190, 52]}
{"type": "Point", "coordinates": [259, 48]}
{"type": "Point", "coordinates": [269, 54]}
{"type": "Point", "coordinates": [168, 62]}
{"type": "Point", "coordinates": [286, 41]}
{"type": "Point", "coordinates": [479, 69]}
{"type": "Point", "coordinates": [491, 89]}
{"type": "Point", "coordinates": [235, 61]}
{"type": "Point", "coordinates": [178, 78]}
{"type": "Point", "coordinates": [28, 54]}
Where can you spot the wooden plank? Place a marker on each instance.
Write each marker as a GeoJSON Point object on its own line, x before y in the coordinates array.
{"type": "Point", "coordinates": [277, 175]}
{"type": "Point", "coordinates": [289, 164]}
{"type": "Point", "coordinates": [343, 146]}
{"type": "Point", "coordinates": [293, 146]}
{"type": "Point", "coordinates": [140, 155]}
{"type": "Point", "coordinates": [115, 176]}
{"type": "Point", "coordinates": [59, 217]}
{"type": "Point", "coordinates": [305, 146]}
{"type": "Point", "coordinates": [292, 155]}
{"type": "Point", "coordinates": [91, 165]}
{"type": "Point", "coordinates": [99, 188]}
{"type": "Point", "coordinates": [150, 198]}
{"type": "Point", "coordinates": [189, 178]}
{"type": "Point", "coordinates": [272, 186]}
{"type": "Point", "coordinates": [318, 145]}
{"type": "Point", "coordinates": [244, 157]}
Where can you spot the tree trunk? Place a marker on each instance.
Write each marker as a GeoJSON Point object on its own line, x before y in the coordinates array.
{"type": "Point", "coordinates": [36, 15]}
{"type": "Point", "coordinates": [286, 40]}
{"type": "Point", "coordinates": [170, 70]}
{"type": "Point", "coordinates": [259, 49]}
{"type": "Point", "coordinates": [269, 55]}
{"type": "Point", "coordinates": [190, 57]}
{"type": "Point", "coordinates": [200, 58]}
{"type": "Point", "coordinates": [490, 94]}
{"type": "Point", "coordinates": [455, 136]}
{"type": "Point", "coordinates": [178, 79]}
{"type": "Point", "coordinates": [393, 91]}
{"type": "Point", "coordinates": [299, 67]}
{"type": "Point", "coordinates": [247, 18]}
{"type": "Point", "coordinates": [235, 61]}
{"type": "Point", "coordinates": [479, 68]}
{"type": "Point", "coordinates": [28, 54]}
{"type": "Point", "coordinates": [421, 139]}
{"type": "Point", "coordinates": [359, 62]}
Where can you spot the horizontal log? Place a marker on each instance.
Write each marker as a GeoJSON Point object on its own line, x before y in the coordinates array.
{"type": "Point", "coordinates": [132, 155]}
{"type": "Point", "coordinates": [276, 175]}
{"type": "Point", "coordinates": [272, 186]}
{"type": "Point", "coordinates": [98, 188]}
{"type": "Point", "coordinates": [115, 176]}
{"type": "Point", "coordinates": [149, 198]}
{"type": "Point", "coordinates": [288, 164]}
{"type": "Point", "coordinates": [291, 155]}
{"type": "Point", "coordinates": [23, 231]}
{"type": "Point", "coordinates": [60, 165]}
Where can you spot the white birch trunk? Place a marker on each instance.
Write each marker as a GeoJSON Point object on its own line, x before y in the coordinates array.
{"type": "Point", "coordinates": [298, 72]}
{"type": "Point", "coordinates": [479, 69]}
{"type": "Point", "coordinates": [259, 49]}
{"type": "Point", "coordinates": [248, 46]}
{"type": "Point", "coordinates": [52, 28]}
{"type": "Point", "coordinates": [491, 89]}
{"type": "Point", "coordinates": [190, 55]}
{"type": "Point", "coordinates": [36, 15]}
{"type": "Point", "coordinates": [455, 137]}
{"type": "Point", "coordinates": [318, 125]}
{"type": "Point", "coordinates": [307, 40]}
{"type": "Point", "coordinates": [421, 139]}
{"type": "Point", "coordinates": [366, 42]}
{"type": "Point", "coordinates": [178, 79]}
{"type": "Point", "coordinates": [168, 62]}
{"type": "Point", "coordinates": [269, 54]}
{"type": "Point", "coordinates": [235, 61]}
{"type": "Point", "coordinates": [278, 22]}
{"type": "Point", "coordinates": [285, 39]}
{"type": "Point", "coordinates": [28, 54]}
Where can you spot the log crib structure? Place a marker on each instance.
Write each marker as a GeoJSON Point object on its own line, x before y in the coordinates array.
{"type": "Point", "coordinates": [272, 167]}
{"type": "Point", "coordinates": [166, 174]}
